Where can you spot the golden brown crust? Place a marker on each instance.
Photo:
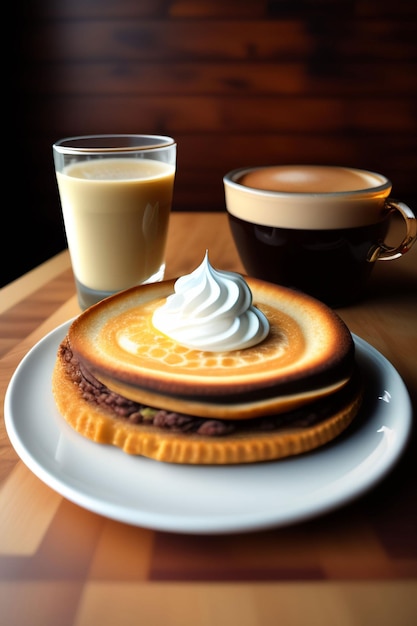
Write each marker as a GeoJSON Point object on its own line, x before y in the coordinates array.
{"type": "Point", "coordinates": [152, 442]}
{"type": "Point", "coordinates": [308, 347]}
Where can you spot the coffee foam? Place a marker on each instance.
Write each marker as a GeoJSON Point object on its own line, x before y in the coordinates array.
{"type": "Point", "coordinates": [309, 179]}
{"type": "Point", "coordinates": [306, 197]}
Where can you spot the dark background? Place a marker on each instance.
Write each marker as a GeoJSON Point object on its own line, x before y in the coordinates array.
{"type": "Point", "coordinates": [235, 82]}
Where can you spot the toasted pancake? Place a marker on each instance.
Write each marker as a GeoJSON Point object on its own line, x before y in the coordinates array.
{"type": "Point", "coordinates": [308, 349]}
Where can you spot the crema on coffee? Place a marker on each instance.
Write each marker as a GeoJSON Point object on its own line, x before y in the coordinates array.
{"type": "Point", "coordinates": [306, 196]}
{"type": "Point", "coordinates": [310, 179]}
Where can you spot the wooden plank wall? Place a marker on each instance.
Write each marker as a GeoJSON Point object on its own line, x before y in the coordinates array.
{"type": "Point", "coordinates": [236, 82]}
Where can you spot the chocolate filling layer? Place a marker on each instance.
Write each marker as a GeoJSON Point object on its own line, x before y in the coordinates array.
{"type": "Point", "coordinates": [98, 394]}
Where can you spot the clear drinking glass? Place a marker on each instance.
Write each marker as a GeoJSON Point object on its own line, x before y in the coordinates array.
{"type": "Point", "coordinates": [116, 196]}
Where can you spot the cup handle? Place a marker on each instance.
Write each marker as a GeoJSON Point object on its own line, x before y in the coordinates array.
{"type": "Point", "coordinates": [382, 252]}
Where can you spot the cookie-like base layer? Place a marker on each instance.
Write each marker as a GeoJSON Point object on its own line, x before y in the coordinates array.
{"type": "Point", "coordinates": [246, 446]}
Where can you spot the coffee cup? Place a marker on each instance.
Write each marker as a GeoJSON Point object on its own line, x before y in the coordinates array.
{"type": "Point", "coordinates": [116, 194]}
{"type": "Point", "coordinates": [318, 229]}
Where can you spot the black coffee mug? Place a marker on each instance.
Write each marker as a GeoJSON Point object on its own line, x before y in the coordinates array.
{"type": "Point", "coordinates": [318, 229]}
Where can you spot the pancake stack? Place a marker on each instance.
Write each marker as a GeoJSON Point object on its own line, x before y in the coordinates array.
{"type": "Point", "coordinates": [118, 380]}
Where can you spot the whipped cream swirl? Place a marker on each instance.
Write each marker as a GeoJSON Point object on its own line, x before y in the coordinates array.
{"type": "Point", "coordinates": [211, 310]}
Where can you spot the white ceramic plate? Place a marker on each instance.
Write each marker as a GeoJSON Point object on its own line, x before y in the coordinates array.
{"type": "Point", "coordinates": [202, 499]}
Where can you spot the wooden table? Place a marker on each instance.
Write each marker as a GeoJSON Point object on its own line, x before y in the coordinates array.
{"type": "Point", "coordinates": [61, 564]}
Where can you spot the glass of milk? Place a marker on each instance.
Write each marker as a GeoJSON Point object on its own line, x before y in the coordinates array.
{"type": "Point", "coordinates": [116, 195]}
